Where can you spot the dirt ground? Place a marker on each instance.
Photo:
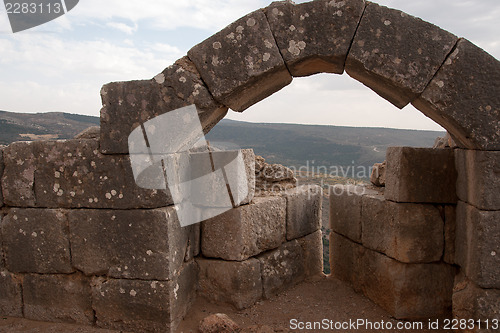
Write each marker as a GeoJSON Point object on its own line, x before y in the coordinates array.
{"type": "Point", "coordinates": [322, 298]}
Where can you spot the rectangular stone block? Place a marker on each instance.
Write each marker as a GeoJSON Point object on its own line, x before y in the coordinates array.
{"type": "Point", "coordinates": [315, 36]}
{"type": "Point", "coordinates": [345, 210]}
{"type": "Point", "coordinates": [74, 174]}
{"type": "Point", "coordinates": [238, 283]}
{"type": "Point", "coordinates": [312, 249]}
{"type": "Point", "coordinates": [282, 268]}
{"type": "Point", "coordinates": [2, 166]}
{"type": "Point", "coordinates": [345, 258]}
{"type": "Point", "coordinates": [421, 175]}
{"type": "Point", "coordinates": [245, 231]}
{"type": "Point", "coordinates": [19, 174]}
{"type": "Point", "coordinates": [303, 210]}
{"type": "Point", "coordinates": [410, 233]}
{"type": "Point", "coordinates": [36, 241]}
{"type": "Point", "coordinates": [241, 64]}
{"type": "Point", "coordinates": [450, 222]}
{"type": "Point", "coordinates": [477, 246]}
{"type": "Point", "coordinates": [478, 182]}
{"type": "Point", "coordinates": [146, 306]}
{"type": "Point", "coordinates": [59, 298]}
{"type": "Point", "coordinates": [11, 299]}
{"type": "Point", "coordinates": [397, 71]}
{"type": "Point", "coordinates": [468, 71]}
{"type": "Point", "coordinates": [472, 302]}
{"type": "Point", "coordinates": [127, 105]}
{"type": "Point", "coordinates": [407, 291]}
{"type": "Point", "coordinates": [130, 244]}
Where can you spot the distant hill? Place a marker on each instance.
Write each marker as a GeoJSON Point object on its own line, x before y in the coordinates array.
{"type": "Point", "coordinates": [39, 126]}
{"type": "Point", "coordinates": [289, 144]}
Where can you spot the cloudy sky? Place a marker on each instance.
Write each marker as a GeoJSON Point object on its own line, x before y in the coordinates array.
{"type": "Point", "coordinates": [61, 66]}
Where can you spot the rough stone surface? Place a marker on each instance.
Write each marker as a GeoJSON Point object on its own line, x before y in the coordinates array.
{"type": "Point", "coordinates": [312, 249]}
{"type": "Point", "coordinates": [478, 180]}
{"type": "Point", "coordinates": [345, 210]}
{"type": "Point", "coordinates": [235, 283]}
{"type": "Point", "coordinates": [19, 175]}
{"type": "Point", "coordinates": [93, 132]}
{"type": "Point", "coordinates": [315, 36]}
{"type": "Point", "coordinates": [407, 291]}
{"type": "Point", "coordinates": [146, 306]}
{"type": "Point", "coordinates": [241, 64]}
{"type": "Point", "coordinates": [11, 302]}
{"type": "Point", "coordinates": [74, 174]}
{"type": "Point", "coordinates": [464, 97]}
{"type": "Point", "coordinates": [272, 179]}
{"type": "Point", "coordinates": [478, 245]}
{"type": "Point", "coordinates": [65, 298]}
{"type": "Point", "coordinates": [410, 233]}
{"type": "Point", "coordinates": [471, 302]}
{"type": "Point", "coordinates": [345, 257]}
{"type": "Point", "coordinates": [218, 323]}
{"type": "Point", "coordinates": [377, 177]}
{"type": "Point", "coordinates": [303, 211]}
{"type": "Point", "coordinates": [127, 105]}
{"type": "Point", "coordinates": [450, 218]}
{"type": "Point", "coordinates": [2, 166]}
{"type": "Point", "coordinates": [245, 231]}
{"type": "Point", "coordinates": [282, 268]}
{"type": "Point", "coordinates": [135, 244]}
{"type": "Point", "coordinates": [395, 54]}
{"type": "Point", "coordinates": [421, 175]}
{"type": "Point", "coordinates": [36, 241]}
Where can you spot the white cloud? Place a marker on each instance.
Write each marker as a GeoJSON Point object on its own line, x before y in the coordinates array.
{"type": "Point", "coordinates": [129, 30]}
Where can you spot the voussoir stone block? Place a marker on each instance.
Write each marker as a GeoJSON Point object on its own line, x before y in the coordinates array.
{"type": "Point", "coordinates": [315, 36]}
{"type": "Point", "coordinates": [130, 244]}
{"type": "Point", "coordinates": [65, 298]}
{"type": "Point", "coordinates": [241, 64]}
{"type": "Point", "coordinates": [245, 231]}
{"type": "Point", "coordinates": [19, 174]}
{"type": "Point", "coordinates": [303, 211]}
{"type": "Point", "coordinates": [395, 54]}
{"type": "Point", "coordinates": [478, 180]}
{"type": "Point", "coordinates": [144, 305]}
{"type": "Point", "coordinates": [477, 247]}
{"type": "Point", "coordinates": [421, 175]}
{"type": "Point", "coordinates": [282, 268]}
{"type": "Point", "coordinates": [36, 241]}
{"type": "Point", "coordinates": [217, 281]}
{"type": "Point", "coordinates": [127, 105]}
{"type": "Point", "coordinates": [464, 97]}
{"type": "Point", "coordinates": [74, 174]}
{"type": "Point", "coordinates": [11, 301]}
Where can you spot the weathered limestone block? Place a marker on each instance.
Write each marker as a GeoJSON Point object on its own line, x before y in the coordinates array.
{"type": "Point", "coordinates": [2, 166]}
{"type": "Point", "coordinates": [407, 291]}
{"type": "Point", "coordinates": [74, 174]}
{"type": "Point", "coordinates": [65, 298]}
{"type": "Point", "coordinates": [36, 241]}
{"type": "Point", "coordinates": [377, 177]}
{"type": "Point", "coordinates": [464, 97]}
{"type": "Point", "coordinates": [421, 175]}
{"type": "Point", "coordinates": [471, 302]}
{"type": "Point", "coordinates": [478, 245]}
{"type": "Point", "coordinates": [345, 210]}
{"type": "Point", "coordinates": [315, 36]}
{"type": "Point", "coordinates": [238, 283]}
{"type": "Point", "coordinates": [345, 260]}
{"type": "Point", "coordinates": [241, 64]}
{"type": "Point", "coordinates": [11, 302]}
{"type": "Point", "coordinates": [450, 218]}
{"type": "Point", "coordinates": [130, 244]}
{"type": "Point", "coordinates": [282, 268]}
{"type": "Point", "coordinates": [396, 54]}
{"type": "Point", "coordinates": [303, 211]}
{"type": "Point", "coordinates": [127, 105]}
{"type": "Point", "coordinates": [410, 233]}
{"type": "Point", "coordinates": [312, 249]}
{"type": "Point", "coordinates": [245, 231]}
{"type": "Point", "coordinates": [478, 182]}
{"type": "Point", "coordinates": [146, 306]}
{"type": "Point", "coordinates": [19, 174]}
